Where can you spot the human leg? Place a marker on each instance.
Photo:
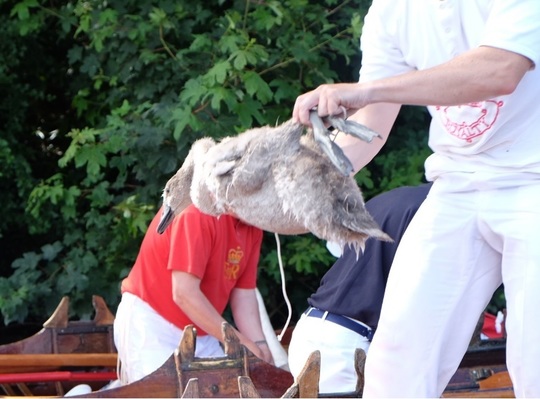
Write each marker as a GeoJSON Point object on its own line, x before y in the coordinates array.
{"type": "Point", "coordinates": [144, 339]}
{"type": "Point", "coordinates": [513, 223]}
{"type": "Point", "coordinates": [442, 278]}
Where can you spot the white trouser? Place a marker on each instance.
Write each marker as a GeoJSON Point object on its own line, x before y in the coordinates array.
{"type": "Point", "coordinates": [337, 345]}
{"type": "Point", "coordinates": [145, 340]}
{"type": "Point", "coordinates": [279, 354]}
{"type": "Point", "coordinates": [454, 254]}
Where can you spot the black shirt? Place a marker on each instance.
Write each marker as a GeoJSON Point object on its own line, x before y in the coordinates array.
{"type": "Point", "coordinates": [355, 287]}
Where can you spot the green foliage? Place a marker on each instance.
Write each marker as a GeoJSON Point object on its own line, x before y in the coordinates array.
{"type": "Point", "coordinates": [304, 261]}
{"type": "Point", "coordinates": [109, 98]}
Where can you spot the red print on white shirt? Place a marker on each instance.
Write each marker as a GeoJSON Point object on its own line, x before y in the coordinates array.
{"type": "Point", "coordinates": [470, 120]}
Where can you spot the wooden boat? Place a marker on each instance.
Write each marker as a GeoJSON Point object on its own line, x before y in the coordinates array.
{"type": "Point", "coordinates": [66, 353]}
{"type": "Point", "coordinates": [482, 373]}
{"type": "Point", "coordinates": [61, 355]}
{"type": "Point", "coordinates": [73, 346]}
{"type": "Point", "coordinates": [477, 377]}
{"type": "Point", "coordinates": [238, 374]}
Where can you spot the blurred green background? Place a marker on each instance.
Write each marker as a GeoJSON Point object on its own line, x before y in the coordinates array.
{"type": "Point", "coordinates": [101, 101]}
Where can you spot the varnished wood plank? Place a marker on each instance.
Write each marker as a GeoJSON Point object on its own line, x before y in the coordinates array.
{"type": "Point", "coordinates": [11, 362]}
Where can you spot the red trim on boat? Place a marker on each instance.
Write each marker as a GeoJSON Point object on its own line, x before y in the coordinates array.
{"type": "Point", "coordinates": [48, 376]}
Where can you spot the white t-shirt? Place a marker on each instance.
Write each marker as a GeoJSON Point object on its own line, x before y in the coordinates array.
{"type": "Point", "coordinates": [497, 137]}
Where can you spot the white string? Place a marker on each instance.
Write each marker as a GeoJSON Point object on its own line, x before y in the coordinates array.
{"type": "Point", "coordinates": [283, 289]}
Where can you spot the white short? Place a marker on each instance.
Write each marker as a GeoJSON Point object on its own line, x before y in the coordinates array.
{"type": "Point", "coordinates": [145, 340]}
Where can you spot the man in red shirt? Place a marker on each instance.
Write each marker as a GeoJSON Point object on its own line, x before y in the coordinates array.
{"type": "Point", "coordinates": [188, 275]}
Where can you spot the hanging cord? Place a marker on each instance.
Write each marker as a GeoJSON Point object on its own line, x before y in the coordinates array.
{"type": "Point", "coordinates": [283, 289]}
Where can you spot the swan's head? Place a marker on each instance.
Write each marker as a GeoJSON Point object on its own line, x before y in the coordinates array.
{"type": "Point", "coordinates": [167, 213]}
{"type": "Point", "coordinates": [175, 198]}
{"type": "Point", "coordinates": [176, 194]}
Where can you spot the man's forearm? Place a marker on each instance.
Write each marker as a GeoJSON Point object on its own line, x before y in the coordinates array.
{"type": "Point", "coordinates": [378, 117]}
{"type": "Point", "coordinates": [201, 312]}
{"type": "Point", "coordinates": [477, 75]}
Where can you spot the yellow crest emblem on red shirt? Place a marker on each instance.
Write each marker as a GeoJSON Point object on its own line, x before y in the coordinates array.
{"type": "Point", "coordinates": [232, 265]}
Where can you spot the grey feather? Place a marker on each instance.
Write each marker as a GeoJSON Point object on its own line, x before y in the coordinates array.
{"type": "Point", "coordinates": [278, 179]}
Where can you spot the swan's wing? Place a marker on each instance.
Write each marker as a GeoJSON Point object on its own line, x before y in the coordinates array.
{"type": "Point", "coordinates": [363, 223]}
{"type": "Point", "coordinates": [226, 155]}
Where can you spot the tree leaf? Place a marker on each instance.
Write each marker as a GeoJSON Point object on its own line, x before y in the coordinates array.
{"type": "Point", "coordinates": [256, 86]}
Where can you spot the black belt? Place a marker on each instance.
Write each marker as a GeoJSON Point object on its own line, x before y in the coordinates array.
{"type": "Point", "coordinates": [342, 321]}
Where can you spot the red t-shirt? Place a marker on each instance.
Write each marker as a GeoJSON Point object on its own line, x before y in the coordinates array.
{"type": "Point", "coordinates": [223, 252]}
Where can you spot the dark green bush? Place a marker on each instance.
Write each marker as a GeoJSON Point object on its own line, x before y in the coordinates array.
{"type": "Point", "coordinates": [104, 101]}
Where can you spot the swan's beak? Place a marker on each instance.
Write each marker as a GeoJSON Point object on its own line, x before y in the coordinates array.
{"type": "Point", "coordinates": [166, 218]}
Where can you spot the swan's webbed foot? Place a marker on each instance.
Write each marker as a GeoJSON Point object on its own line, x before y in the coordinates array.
{"type": "Point", "coordinates": [353, 128]}
{"type": "Point", "coordinates": [331, 149]}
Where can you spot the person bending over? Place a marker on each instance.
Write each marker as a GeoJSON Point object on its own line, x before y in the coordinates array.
{"type": "Point", "coordinates": [188, 275]}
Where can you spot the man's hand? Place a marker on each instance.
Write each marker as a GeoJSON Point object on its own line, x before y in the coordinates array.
{"type": "Point", "coordinates": [332, 99]}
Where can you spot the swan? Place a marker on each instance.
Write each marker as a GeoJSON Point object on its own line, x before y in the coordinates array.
{"type": "Point", "coordinates": [278, 179]}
